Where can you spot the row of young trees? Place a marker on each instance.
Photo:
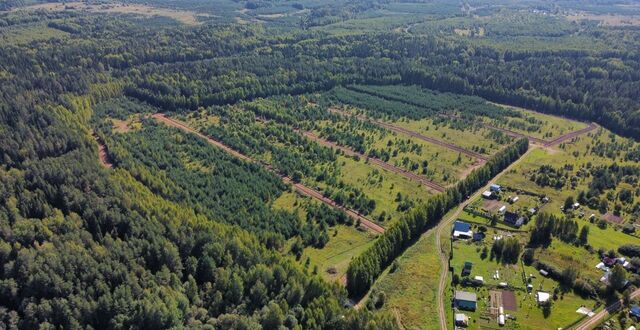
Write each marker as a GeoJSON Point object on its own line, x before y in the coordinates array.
{"type": "Point", "coordinates": [364, 269]}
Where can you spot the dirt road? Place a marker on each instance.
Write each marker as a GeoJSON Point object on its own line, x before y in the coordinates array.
{"type": "Point", "coordinates": [386, 166]}
{"type": "Point", "coordinates": [571, 135]}
{"type": "Point", "coordinates": [542, 142]}
{"type": "Point", "coordinates": [105, 160]}
{"type": "Point", "coordinates": [300, 188]}
{"type": "Point", "coordinates": [444, 258]}
{"type": "Point", "coordinates": [417, 135]}
{"type": "Point", "coordinates": [592, 322]}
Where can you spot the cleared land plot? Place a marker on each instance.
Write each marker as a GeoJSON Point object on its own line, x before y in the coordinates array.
{"type": "Point", "coordinates": [333, 259]}
{"type": "Point", "coordinates": [412, 289]}
{"type": "Point", "coordinates": [607, 20]}
{"type": "Point", "coordinates": [509, 300]}
{"type": "Point", "coordinates": [535, 124]}
{"type": "Point", "coordinates": [526, 310]}
{"type": "Point", "coordinates": [575, 154]}
{"type": "Point", "coordinates": [375, 161]}
{"type": "Point", "coordinates": [183, 16]}
{"type": "Point", "coordinates": [475, 138]}
{"type": "Point", "coordinates": [443, 166]}
{"type": "Point", "coordinates": [345, 242]}
{"type": "Point", "coordinates": [434, 162]}
{"type": "Point", "coordinates": [381, 186]}
{"type": "Point", "coordinates": [24, 35]}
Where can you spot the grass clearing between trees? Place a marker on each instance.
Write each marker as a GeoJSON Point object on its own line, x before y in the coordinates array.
{"type": "Point", "coordinates": [412, 288]}
{"type": "Point", "coordinates": [332, 260]}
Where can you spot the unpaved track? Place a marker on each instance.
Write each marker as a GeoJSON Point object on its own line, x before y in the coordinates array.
{"type": "Point", "coordinates": [444, 257]}
{"type": "Point", "coordinates": [542, 142]}
{"type": "Point", "coordinates": [300, 188]}
{"type": "Point", "coordinates": [411, 133]}
{"type": "Point", "coordinates": [105, 160]}
{"type": "Point", "coordinates": [386, 166]}
{"type": "Point", "coordinates": [515, 134]}
{"type": "Point", "coordinates": [592, 322]}
{"type": "Point", "coordinates": [571, 135]}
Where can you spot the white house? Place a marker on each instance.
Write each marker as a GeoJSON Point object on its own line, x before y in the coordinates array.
{"type": "Point", "coordinates": [542, 297]}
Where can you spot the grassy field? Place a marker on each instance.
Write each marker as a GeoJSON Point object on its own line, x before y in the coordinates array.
{"type": "Point", "coordinates": [380, 185]}
{"type": "Point", "coordinates": [469, 138]}
{"type": "Point", "coordinates": [24, 35]}
{"type": "Point", "coordinates": [182, 16]}
{"type": "Point", "coordinates": [345, 242]}
{"type": "Point", "coordinates": [443, 165]}
{"type": "Point", "coordinates": [537, 124]}
{"type": "Point", "coordinates": [528, 315]}
{"type": "Point", "coordinates": [411, 291]}
{"type": "Point", "coordinates": [332, 260]}
{"type": "Point", "coordinates": [520, 177]}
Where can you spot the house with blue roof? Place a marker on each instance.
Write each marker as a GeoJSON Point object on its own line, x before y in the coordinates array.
{"type": "Point", "coordinates": [462, 229]}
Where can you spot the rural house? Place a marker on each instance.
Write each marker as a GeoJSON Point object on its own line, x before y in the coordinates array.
{"type": "Point", "coordinates": [513, 219]}
{"type": "Point", "coordinates": [465, 300]}
{"type": "Point", "coordinates": [462, 229]}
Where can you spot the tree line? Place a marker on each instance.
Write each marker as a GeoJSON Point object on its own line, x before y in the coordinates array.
{"type": "Point", "coordinates": [365, 268]}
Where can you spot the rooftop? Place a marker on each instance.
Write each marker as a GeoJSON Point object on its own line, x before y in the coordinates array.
{"type": "Point", "coordinates": [461, 226]}
{"type": "Point", "coordinates": [467, 296]}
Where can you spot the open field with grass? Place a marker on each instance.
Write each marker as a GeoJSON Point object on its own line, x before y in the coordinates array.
{"type": "Point", "coordinates": [332, 260]}
{"type": "Point", "coordinates": [411, 290]}
{"type": "Point", "coordinates": [528, 314]}
{"type": "Point", "coordinates": [345, 242]}
{"type": "Point", "coordinates": [475, 138]}
{"type": "Point", "coordinates": [27, 34]}
{"type": "Point", "coordinates": [437, 163]}
{"type": "Point", "coordinates": [595, 149]}
{"type": "Point", "coordinates": [381, 186]}
{"type": "Point", "coordinates": [536, 124]}
{"type": "Point", "coordinates": [443, 166]}
{"type": "Point", "coordinates": [182, 16]}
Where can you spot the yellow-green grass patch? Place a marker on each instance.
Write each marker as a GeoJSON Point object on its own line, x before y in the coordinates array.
{"type": "Point", "coordinates": [345, 242]}
{"type": "Point", "coordinates": [412, 289]}
{"type": "Point", "coordinates": [24, 35]}
{"type": "Point", "coordinates": [380, 185]}
{"type": "Point", "coordinates": [471, 138]}
{"type": "Point", "coordinates": [551, 126]}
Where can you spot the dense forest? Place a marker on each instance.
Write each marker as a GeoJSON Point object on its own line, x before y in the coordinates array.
{"type": "Point", "coordinates": [180, 235]}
